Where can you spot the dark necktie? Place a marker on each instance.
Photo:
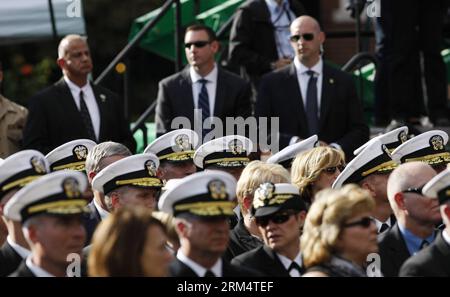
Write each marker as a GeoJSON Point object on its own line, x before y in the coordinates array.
{"type": "Point", "coordinates": [424, 244]}
{"type": "Point", "coordinates": [311, 104]}
{"type": "Point", "coordinates": [203, 103]}
{"type": "Point", "coordinates": [209, 273]}
{"type": "Point", "coordinates": [383, 228]}
{"type": "Point", "coordinates": [86, 117]}
{"type": "Point", "coordinates": [294, 265]}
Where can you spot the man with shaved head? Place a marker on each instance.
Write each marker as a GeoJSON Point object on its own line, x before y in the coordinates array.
{"type": "Point", "coordinates": [416, 216]}
{"type": "Point", "coordinates": [310, 97]}
{"type": "Point", "coordinates": [74, 108]}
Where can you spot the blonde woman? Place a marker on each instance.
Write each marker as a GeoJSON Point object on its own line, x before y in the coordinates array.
{"type": "Point", "coordinates": [316, 169]}
{"type": "Point", "coordinates": [339, 233]}
{"type": "Point", "coordinates": [129, 242]}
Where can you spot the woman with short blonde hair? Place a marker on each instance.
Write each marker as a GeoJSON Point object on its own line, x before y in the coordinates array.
{"type": "Point", "coordinates": [339, 233]}
{"type": "Point", "coordinates": [316, 169]}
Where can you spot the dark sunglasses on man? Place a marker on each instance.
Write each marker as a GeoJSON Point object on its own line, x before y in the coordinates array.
{"type": "Point", "coordinates": [364, 222]}
{"type": "Point", "coordinates": [277, 218]}
{"type": "Point", "coordinates": [306, 36]}
{"type": "Point", "coordinates": [197, 44]}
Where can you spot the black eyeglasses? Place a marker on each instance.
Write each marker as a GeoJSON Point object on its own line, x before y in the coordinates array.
{"type": "Point", "coordinates": [196, 43]}
{"type": "Point", "coordinates": [278, 218]}
{"type": "Point", "coordinates": [364, 222]}
{"type": "Point", "coordinates": [414, 190]}
{"type": "Point", "coordinates": [306, 36]}
{"type": "Point", "coordinates": [333, 169]}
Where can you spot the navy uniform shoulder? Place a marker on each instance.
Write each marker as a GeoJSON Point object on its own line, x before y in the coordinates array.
{"type": "Point", "coordinates": [232, 270]}
{"type": "Point", "coordinates": [248, 256]}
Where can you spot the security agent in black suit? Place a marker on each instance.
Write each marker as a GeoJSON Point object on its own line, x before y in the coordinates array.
{"type": "Point", "coordinates": [253, 36]}
{"type": "Point", "coordinates": [222, 95]}
{"type": "Point", "coordinates": [74, 108]}
{"type": "Point", "coordinates": [310, 97]}
{"type": "Point", "coordinates": [201, 204]}
{"type": "Point", "coordinates": [416, 216]}
{"type": "Point", "coordinates": [435, 259]}
{"type": "Point", "coordinates": [280, 213]}
{"type": "Point", "coordinates": [16, 171]}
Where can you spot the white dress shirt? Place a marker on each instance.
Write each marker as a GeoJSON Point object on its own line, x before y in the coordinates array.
{"type": "Point", "coordinates": [198, 269]}
{"type": "Point", "coordinates": [23, 252]}
{"type": "Point", "coordinates": [287, 262]}
{"type": "Point", "coordinates": [91, 103]}
{"type": "Point", "coordinates": [379, 223]}
{"type": "Point", "coordinates": [281, 17]}
{"type": "Point", "coordinates": [446, 236]}
{"type": "Point", "coordinates": [303, 79]}
{"type": "Point", "coordinates": [211, 87]}
{"type": "Point", "coordinates": [37, 271]}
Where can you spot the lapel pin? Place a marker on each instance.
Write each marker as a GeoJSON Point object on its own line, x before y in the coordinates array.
{"type": "Point", "coordinates": [103, 97]}
{"type": "Point", "coordinates": [331, 81]}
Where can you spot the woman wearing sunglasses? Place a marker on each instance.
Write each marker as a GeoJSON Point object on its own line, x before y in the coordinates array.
{"type": "Point", "coordinates": [279, 214]}
{"type": "Point", "coordinates": [339, 233]}
{"type": "Point", "coordinates": [316, 169]}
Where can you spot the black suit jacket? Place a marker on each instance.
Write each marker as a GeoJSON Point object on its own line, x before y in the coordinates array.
{"type": "Point", "coordinates": [22, 271]}
{"type": "Point", "coordinates": [54, 119]}
{"type": "Point", "coordinates": [9, 260]}
{"type": "Point", "coordinates": [241, 241]}
{"type": "Point", "coordinates": [179, 269]}
{"type": "Point", "coordinates": [175, 99]}
{"type": "Point", "coordinates": [262, 259]}
{"type": "Point", "coordinates": [90, 221]}
{"type": "Point", "coordinates": [341, 112]}
{"type": "Point", "coordinates": [393, 251]}
{"type": "Point", "coordinates": [252, 39]}
{"type": "Point", "coordinates": [431, 261]}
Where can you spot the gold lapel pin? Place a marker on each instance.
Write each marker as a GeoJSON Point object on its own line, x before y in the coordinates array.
{"type": "Point", "coordinates": [331, 81]}
{"type": "Point", "coordinates": [103, 97]}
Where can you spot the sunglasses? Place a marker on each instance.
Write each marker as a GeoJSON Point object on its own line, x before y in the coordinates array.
{"type": "Point", "coordinates": [278, 218]}
{"type": "Point", "coordinates": [417, 191]}
{"type": "Point", "coordinates": [198, 44]}
{"type": "Point", "coordinates": [306, 36]}
{"type": "Point", "coordinates": [333, 169]}
{"type": "Point", "coordinates": [364, 222]}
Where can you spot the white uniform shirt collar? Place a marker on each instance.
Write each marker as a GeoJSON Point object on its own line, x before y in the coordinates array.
{"type": "Point", "coordinates": [23, 252]}
{"type": "Point", "coordinates": [103, 213]}
{"type": "Point", "coordinates": [198, 269]}
{"type": "Point", "coordinates": [37, 271]}
{"type": "Point", "coordinates": [446, 236]}
{"type": "Point", "coordinates": [287, 262]}
{"type": "Point", "coordinates": [379, 223]}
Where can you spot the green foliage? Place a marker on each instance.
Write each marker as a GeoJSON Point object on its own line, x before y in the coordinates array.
{"type": "Point", "coordinates": [22, 79]}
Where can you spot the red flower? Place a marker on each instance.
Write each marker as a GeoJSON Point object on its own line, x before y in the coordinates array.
{"type": "Point", "coordinates": [26, 69]}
